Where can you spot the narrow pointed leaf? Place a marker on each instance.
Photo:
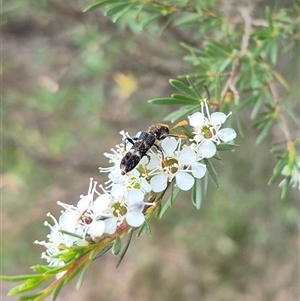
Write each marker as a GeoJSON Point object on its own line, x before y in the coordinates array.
{"type": "Point", "coordinates": [169, 202]}
{"type": "Point", "coordinates": [183, 87]}
{"type": "Point", "coordinates": [103, 251]}
{"type": "Point", "coordinates": [169, 101]}
{"type": "Point", "coordinates": [81, 277]}
{"type": "Point", "coordinates": [99, 4]}
{"type": "Point", "coordinates": [194, 87]}
{"type": "Point", "coordinates": [211, 172]}
{"type": "Point", "coordinates": [25, 287]}
{"type": "Point", "coordinates": [33, 296]}
{"type": "Point", "coordinates": [285, 187]}
{"type": "Point", "coordinates": [116, 248]}
{"type": "Point", "coordinates": [73, 274]}
{"type": "Point", "coordinates": [144, 229]}
{"type": "Point", "coordinates": [126, 247]}
{"type": "Point", "coordinates": [19, 278]}
{"type": "Point", "coordinates": [277, 171]}
{"type": "Point", "coordinates": [116, 9]}
{"type": "Point", "coordinates": [226, 146]}
{"type": "Point", "coordinates": [188, 100]}
{"type": "Point", "coordinates": [145, 22]}
{"type": "Point", "coordinates": [197, 194]}
{"type": "Point", "coordinates": [266, 130]}
{"type": "Point", "coordinates": [218, 88]}
{"type": "Point", "coordinates": [57, 289]}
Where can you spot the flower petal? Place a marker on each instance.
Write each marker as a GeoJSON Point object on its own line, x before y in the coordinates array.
{"type": "Point", "coordinates": [159, 182]}
{"type": "Point", "coordinates": [226, 134]}
{"type": "Point", "coordinates": [218, 118]}
{"type": "Point", "coordinates": [110, 225]}
{"type": "Point", "coordinates": [135, 219]}
{"type": "Point", "coordinates": [207, 149]}
{"type": "Point", "coordinates": [198, 170]}
{"type": "Point", "coordinates": [153, 163]}
{"type": "Point", "coordinates": [197, 119]}
{"type": "Point", "coordinates": [184, 180]}
{"type": "Point", "coordinates": [135, 196]}
{"type": "Point", "coordinates": [85, 202]}
{"type": "Point", "coordinates": [186, 156]}
{"type": "Point", "coordinates": [101, 203]}
{"type": "Point", "coordinates": [117, 191]}
{"type": "Point", "coordinates": [96, 229]}
{"type": "Point", "coordinates": [169, 145]}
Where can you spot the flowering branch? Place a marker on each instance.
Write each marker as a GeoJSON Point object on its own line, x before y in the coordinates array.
{"type": "Point", "coordinates": [127, 201]}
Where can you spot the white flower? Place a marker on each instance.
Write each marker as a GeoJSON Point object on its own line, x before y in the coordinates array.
{"type": "Point", "coordinates": [115, 158]}
{"type": "Point", "coordinates": [180, 164]}
{"type": "Point", "coordinates": [132, 180]}
{"type": "Point", "coordinates": [56, 244]}
{"type": "Point", "coordinates": [76, 225]}
{"type": "Point", "coordinates": [124, 205]}
{"type": "Point", "coordinates": [295, 176]}
{"type": "Point", "coordinates": [87, 217]}
{"type": "Point", "coordinates": [207, 131]}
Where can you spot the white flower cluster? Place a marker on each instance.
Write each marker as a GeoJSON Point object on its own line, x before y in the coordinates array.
{"type": "Point", "coordinates": [122, 199]}
{"type": "Point", "coordinates": [94, 215]}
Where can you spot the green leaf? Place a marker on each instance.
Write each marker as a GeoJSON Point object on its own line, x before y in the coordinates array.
{"type": "Point", "coordinates": [297, 4]}
{"type": "Point", "coordinates": [99, 4]}
{"type": "Point", "coordinates": [117, 8]}
{"type": "Point", "coordinates": [74, 273]}
{"type": "Point", "coordinates": [31, 296]}
{"type": "Point", "coordinates": [252, 99]}
{"type": "Point", "coordinates": [144, 229]}
{"type": "Point", "coordinates": [18, 278]}
{"type": "Point", "coordinates": [186, 20]}
{"type": "Point", "coordinates": [183, 87]}
{"type": "Point", "coordinates": [285, 187]}
{"type": "Point", "coordinates": [57, 289]}
{"type": "Point", "coordinates": [274, 51]}
{"type": "Point", "coordinates": [169, 202]}
{"type": "Point", "coordinates": [121, 13]}
{"type": "Point", "coordinates": [116, 246]}
{"type": "Point", "coordinates": [218, 88]}
{"type": "Point", "coordinates": [103, 251]}
{"type": "Point", "coordinates": [217, 49]}
{"type": "Point", "coordinates": [226, 146]}
{"type": "Point", "coordinates": [256, 107]}
{"type": "Point", "coordinates": [42, 268]}
{"type": "Point", "coordinates": [269, 18]}
{"type": "Point", "coordinates": [182, 113]}
{"type": "Point", "coordinates": [28, 285]}
{"type": "Point", "coordinates": [188, 100]}
{"type": "Point", "coordinates": [126, 247]}
{"type": "Point", "coordinates": [194, 87]}
{"type": "Point", "coordinates": [81, 277]}
{"type": "Point", "coordinates": [265, 131]}
{"type": "Point", "coordinates": [211, 172]}
{"type": "Point", "coordinates": [277, 170]}
{"type": "Point", "coordinates": [197, 194]}
{"type": "Point", "coordinates": [281, 79]}
{"type": "Point", "coordinates": [146, 21]}
{"type": "Point", "coordinates": [169, 101]}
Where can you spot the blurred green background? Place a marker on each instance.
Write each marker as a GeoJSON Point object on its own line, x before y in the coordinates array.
{"type": "Point", "coordinates": [71, 81]}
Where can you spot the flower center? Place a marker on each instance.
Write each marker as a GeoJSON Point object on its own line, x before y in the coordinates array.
{"type": "Point", "coordinates": [171, 165]}
{"type": "Point", "coordinates": [208, 131]}
{"type": "Point", "coordinates": [133, 184]}
{"type": "Point", "coordinates": [119, 208]}
{"type": "Point", "coordinates": [86, 217]}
